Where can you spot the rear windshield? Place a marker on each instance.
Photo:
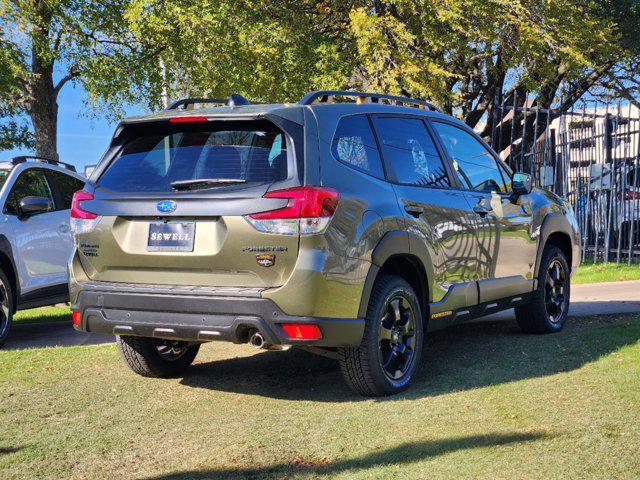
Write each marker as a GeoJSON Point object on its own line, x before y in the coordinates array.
{"type": "Point", "coordinates": [152, 161]}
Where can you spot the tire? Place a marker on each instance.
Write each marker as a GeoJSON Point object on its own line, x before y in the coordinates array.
{"type": "Point", "coordinates": [6, 308]}
{"type": "Point", "coordinates": [547, 313]}
{"type": "Point", "coordinates": [391, 336]}
{"type": "Point", "coordinates": [152, 357]}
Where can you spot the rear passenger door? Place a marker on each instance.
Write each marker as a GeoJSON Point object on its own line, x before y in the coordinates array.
{"type": "Point", "coordinates": [434, 211]}
{"type": "Point", "coordinates": [506, 248]}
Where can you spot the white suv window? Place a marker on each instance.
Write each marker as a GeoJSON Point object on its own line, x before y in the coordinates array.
{"type": "Point", "coordinates": [66, 186]}
{"type": "Point", "coordinates": [30, 183]}
{"type": "Point", "coordinates": [4, 174]}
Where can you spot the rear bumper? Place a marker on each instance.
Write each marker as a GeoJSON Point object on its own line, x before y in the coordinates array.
{"type": "Point", "coordinates": [199, 315]}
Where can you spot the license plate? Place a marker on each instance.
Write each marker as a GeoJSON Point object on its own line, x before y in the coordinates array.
{"type": "Point", "coordinates": [171, 237]}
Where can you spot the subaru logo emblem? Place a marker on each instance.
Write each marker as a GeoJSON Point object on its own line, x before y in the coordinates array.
{"type": "Point", "coordinates": [166, 206]}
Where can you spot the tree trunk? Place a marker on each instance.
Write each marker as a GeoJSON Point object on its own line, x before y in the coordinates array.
{"type": "Point", "coordinates": [43, 103]}
{"type": "Point", "coordinates": [43, 110]}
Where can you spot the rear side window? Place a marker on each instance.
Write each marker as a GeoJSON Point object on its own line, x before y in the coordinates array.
{"type": "Point", "coordinates": [355, 145]}
{"type": "Point", "coordinates": [255, 152]}
{"type": "Point", "coordinates": [66, 185]}
{"type": "Point", "coordinates": [407, 145]}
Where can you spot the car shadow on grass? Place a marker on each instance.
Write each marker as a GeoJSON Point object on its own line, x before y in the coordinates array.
{"type": "Point", "coordinates": [403, 454]}
{"type": "Point", "coordinates": [8, 450]}
{"type": "Point", "coordinates": [464, 357]}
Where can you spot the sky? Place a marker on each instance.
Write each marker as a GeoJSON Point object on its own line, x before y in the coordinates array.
{"type": "Point", "coordinates": [81, 140]}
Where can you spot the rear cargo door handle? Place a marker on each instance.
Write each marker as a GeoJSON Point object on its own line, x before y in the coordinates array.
{"type": "Point", "coordinates": [414, 210]}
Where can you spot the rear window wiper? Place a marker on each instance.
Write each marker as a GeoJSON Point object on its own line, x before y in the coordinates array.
{"type": "Point", "coordinates": [198, 183]}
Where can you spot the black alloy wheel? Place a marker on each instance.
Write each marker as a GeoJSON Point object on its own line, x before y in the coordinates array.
{"type": "Point", "coordinates": [396, 338]}
{"type": "Point", "coordinates": [555, 288]}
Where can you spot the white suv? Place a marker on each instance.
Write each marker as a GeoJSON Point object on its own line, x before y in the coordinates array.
{"type": "Point", "coordinates": [35, 235]}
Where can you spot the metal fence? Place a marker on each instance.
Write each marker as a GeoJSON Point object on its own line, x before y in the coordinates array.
{"type": "Point", "coordinates": [590, 155]}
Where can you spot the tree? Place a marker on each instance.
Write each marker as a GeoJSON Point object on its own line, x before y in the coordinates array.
{"type": "Point", "coordinates": [45, 44]}
{"type": "Point", "coordinates": [13, 133]}
{"type": "Point", "coordinates": [624, 78]}
{"type": "Point", "coordinates": [463, 53]}
{"type": "Point", "coordinates": [459, 53]}
{"type": "Point", "coordinates": [268, 51]}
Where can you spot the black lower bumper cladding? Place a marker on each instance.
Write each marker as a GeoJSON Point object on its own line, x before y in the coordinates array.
{"type": "Point", "coordinates": [202, 318]}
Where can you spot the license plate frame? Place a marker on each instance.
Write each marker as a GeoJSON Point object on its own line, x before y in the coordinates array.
{"type": "Point", "coordinates": [171, 237]}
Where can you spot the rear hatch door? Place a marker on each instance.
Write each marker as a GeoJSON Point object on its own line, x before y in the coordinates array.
{"type": "Point", "coordinates": [172, 201]}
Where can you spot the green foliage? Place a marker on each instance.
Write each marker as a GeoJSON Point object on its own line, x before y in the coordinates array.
{"type": "Point", "coordinates": [87, 42]}
{"type": "Point", "coordinates": [456, 52]}
{"type": "Point", "coordinates": [15, 135]}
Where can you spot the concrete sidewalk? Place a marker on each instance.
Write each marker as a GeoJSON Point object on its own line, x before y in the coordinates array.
{"type": "Point", "coordinates": [597, 299]}
{"type": "Point", "coordinates": [588, 299]}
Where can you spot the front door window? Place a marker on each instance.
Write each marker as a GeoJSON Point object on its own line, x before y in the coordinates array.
{"type": "Point", "coordinates": [474, 164]}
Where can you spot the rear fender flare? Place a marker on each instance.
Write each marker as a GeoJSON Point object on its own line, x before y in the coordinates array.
{"type": "Point", "coordinates": [397, 243]}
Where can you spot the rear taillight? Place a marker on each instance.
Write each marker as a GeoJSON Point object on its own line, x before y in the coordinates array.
{"type": "Point", "coordinates": [307, 212]}
{"type": "Point", "coordinates": [82, 220]}
{"type": "Point", "coordinates": [76, 205]}
{"type": "Point", "coordinates": [77, 318]}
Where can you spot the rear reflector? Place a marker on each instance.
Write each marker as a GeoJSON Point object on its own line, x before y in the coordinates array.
{"type": "Point", "coordinates": [192, 119]}
{"type": "Point", "coordinates": [302, 331]}
{"type": "Point", "coordinates": [77, 318]}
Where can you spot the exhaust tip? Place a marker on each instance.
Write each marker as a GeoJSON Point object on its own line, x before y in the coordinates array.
{"type": "Point", "coordinates": [257, 340]}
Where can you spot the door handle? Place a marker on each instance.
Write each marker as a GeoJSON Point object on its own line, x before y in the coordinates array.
{"type": "Point", "coordinates": [414, 210]}
{"type": "Point", "coordinates": [482, 211]}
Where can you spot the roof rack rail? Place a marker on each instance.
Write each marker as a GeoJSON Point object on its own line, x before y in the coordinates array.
{"type": "Point", "coordinates": [323, 97]}
{"type": "Point", "coordinates": [23, 158]}
{"type": "Point", "coordinates": [233, 101]}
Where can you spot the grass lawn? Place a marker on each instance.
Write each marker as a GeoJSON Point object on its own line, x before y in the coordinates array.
{"type": "Point", "coordinates": [42, 315]}
{"type": "Point", "coordinates": [489, 403]}
{"type": "Point", "coordinates": [606, 272]}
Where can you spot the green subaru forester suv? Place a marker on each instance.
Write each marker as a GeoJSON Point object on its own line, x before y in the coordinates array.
{"type": "Point", "coordinates": [347, 228]}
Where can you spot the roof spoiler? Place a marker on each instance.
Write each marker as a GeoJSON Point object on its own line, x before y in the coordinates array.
{"type": "Point", "coordinates": [234, 100]}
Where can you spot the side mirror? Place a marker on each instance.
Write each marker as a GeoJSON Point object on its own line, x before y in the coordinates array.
{"type": "Point", "coordinates": [33, 205]}
{"type": "Point", "coordinates": [521, 183]}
